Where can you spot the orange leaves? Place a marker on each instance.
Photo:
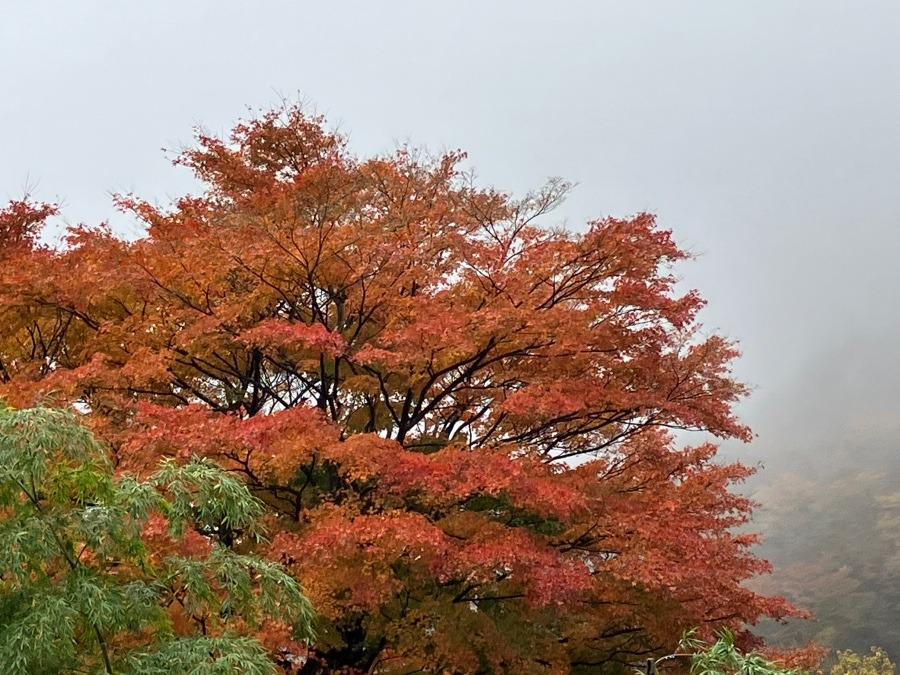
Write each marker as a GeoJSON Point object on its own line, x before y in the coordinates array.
{"type": "Point", "coordinates": [270, 446]}
{"type": "Point", "coordinates": [348, 559]}
{"type": "Point", "coordinates": [20, 223]}
{"type": "Point", "coordinates": [191, 544]}
{"type": "Point", "coordinates": [546, 400]}
{"type": "Point", "coordinates": [488, 560]}
{"type": "Point", "coordinates": [502, 557]}
{"type": "Point", "coordinates": [277, 146]}
{"type": "Point", "coordinates": [273, 333]}
{"type": "Point", "coordinates": [442, 399]}
{"type": "Point", "coordinates": [452, 475]}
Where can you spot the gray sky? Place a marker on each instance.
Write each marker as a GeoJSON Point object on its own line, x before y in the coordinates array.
{"type": "Point", "coordinates": [765, 133]}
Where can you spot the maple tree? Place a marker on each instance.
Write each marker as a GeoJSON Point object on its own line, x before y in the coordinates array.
{"type": "Point", "coordinates": [458, 416]}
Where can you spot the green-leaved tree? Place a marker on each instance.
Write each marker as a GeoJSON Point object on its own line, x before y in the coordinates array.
{"type": "Point", "coordinates": [721, 657]}
{"type": "Point", "coordinates": [876, 662]}
{"type": "Point", "coordinates": [111, 574]}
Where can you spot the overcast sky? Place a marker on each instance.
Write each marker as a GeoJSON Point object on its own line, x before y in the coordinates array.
{"type": "Point", "coordinates": [766, 134]}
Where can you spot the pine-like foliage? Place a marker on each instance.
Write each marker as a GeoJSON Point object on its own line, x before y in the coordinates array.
{"type": "Point", "coordinates": [100, 573]}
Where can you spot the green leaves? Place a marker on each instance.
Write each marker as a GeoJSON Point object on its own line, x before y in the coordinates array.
{"type": "Point", "coordinates": [46, 449]}
{"type": "Point", "coordinates": [85, 583]}
{"type": "Point", "coordinates": [204, 656]}
{"type": "Point", "coordinates": [224, 584]}
{"type": "Point", "coordinates": [38, 631]}
{"type": "Point", "coordinates": [722, 657]}
{"type": "Point", "coordinates": [202, 494]}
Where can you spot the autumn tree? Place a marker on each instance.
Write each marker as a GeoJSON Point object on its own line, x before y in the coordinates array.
{"type": "Point", "coordinates": [458, 415]}
{"type": "Point", "coordinates": [115, 575]}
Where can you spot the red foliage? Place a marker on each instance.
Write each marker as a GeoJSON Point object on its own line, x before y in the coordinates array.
{"type": "Point", "coordinates": [453, 412]}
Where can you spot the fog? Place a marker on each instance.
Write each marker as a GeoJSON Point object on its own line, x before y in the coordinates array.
{"type": "Point", "coordinates": [764, 134]}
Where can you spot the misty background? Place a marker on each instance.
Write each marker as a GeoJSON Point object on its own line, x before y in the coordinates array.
{"type": "Point", "coordinates": [765, 134]}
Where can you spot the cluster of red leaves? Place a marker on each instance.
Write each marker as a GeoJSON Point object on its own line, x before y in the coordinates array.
{"type": "Point", "coordinates": [279, 334]}
{"type": "Point", "coordinates": [452, 412]}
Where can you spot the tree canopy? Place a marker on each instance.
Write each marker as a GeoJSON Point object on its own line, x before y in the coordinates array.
{"type": "Point", "coordinates": [458, 416]}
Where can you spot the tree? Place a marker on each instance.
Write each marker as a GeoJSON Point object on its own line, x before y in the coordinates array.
{"type": "Point", "coordinates": [124, 576]}
{"type": "Point", "coordinates": [457, 416]}
{"type": "Point", "coordinates": [875, 663]}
